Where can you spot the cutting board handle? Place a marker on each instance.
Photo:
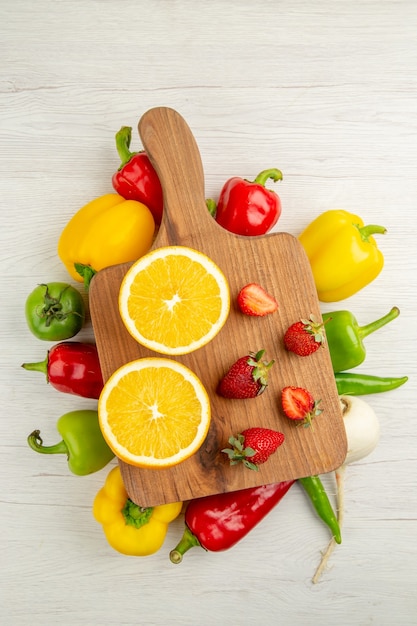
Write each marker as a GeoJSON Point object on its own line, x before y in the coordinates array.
{"type": "Point", "coordinates": [173, 152]}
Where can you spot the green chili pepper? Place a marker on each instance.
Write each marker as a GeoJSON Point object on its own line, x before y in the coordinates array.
{"type": "Point", "coordinates": [350, 384]}
{"type": "Point", "coordinates": [82, 442]}
{"type": "Point", "coordinates": [344, 337]}
{"type": "Point", "coordinates": [318, 496]}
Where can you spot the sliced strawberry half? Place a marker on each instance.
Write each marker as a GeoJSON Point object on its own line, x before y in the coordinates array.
{"type": "Point", "coordinates": [256, 301]}
{"type": "Point", "coordinates": [299, 405]}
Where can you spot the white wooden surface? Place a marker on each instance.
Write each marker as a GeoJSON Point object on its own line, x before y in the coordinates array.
{"type": "Point", "coordinates": [327, 92]}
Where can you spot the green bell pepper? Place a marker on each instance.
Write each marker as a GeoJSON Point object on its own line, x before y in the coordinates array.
{"type": "Point", "coordinates": [82, 442]}
{"type": "Point", "coordinates": [344, 337]}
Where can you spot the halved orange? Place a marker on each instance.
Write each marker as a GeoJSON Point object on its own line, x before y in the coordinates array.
{"type": "Point", "coordinates": [174, 300]}
{"type": "Point", "coordinates": [154, 412]}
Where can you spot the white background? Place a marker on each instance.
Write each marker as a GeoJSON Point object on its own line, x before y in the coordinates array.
{"type": "Point", "coordinates": [326, 91]}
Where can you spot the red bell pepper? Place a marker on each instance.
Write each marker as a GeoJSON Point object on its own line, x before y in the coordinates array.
{"type": "Point", "coordinates": [72, 367]}
{"type": "Point", "coordinates": [218, 522]}
{"type": "Point", "coordinates": [136, 178]}
{"type": "Point", "coordinates": [249, 208]}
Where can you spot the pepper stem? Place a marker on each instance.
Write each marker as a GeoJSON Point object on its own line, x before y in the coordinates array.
{"type": "Point", "coordinates": [41, 366]}
{"type": "Point", "coordinates": [366, 330]}
{"type": "Point", "coordinates": [135, 515]}
{"type": "Point", "coordinates": [86, 272]}
{"type": "Point", "coordinates": [187, 541]}
{"type": "Point", "coordinates": [273, 173]}
{"type": "Point", "coordinates": [123, 138]}
{"type": "Point", "coordinates": [211, 206]}
{"type": "Point", "coordinates": [371, 229]}
{"type": "Point", "coordinates": [35, 442]}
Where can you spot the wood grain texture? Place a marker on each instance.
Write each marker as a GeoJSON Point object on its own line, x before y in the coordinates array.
{"type": "Point", "coordinates": [279, 264]}
{"type": "Point", "coordinates": [325, 91]}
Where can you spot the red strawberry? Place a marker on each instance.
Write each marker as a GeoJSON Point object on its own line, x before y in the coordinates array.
{"type": "Point", "coordinates": [253, 446]}
{"type": "Point", "coordinates": [247, 378]}
{"type": "Point", "coordinates": [298, 404]}
{"type": "Point", "coordinates": [305, 337]}
{"type": "Point", "coordinates": [254, 300]}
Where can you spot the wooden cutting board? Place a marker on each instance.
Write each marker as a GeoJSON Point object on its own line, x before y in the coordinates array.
{"type": "Point", "coordinates": [276, 261]}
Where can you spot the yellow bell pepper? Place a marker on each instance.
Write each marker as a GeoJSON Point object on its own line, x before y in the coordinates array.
{"type": "Point", "coordinates": [106, 231]}
{"type": "Point", "coordinates": [343, 255]}
{"type": "Point", "coordinates": [128, 528]}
